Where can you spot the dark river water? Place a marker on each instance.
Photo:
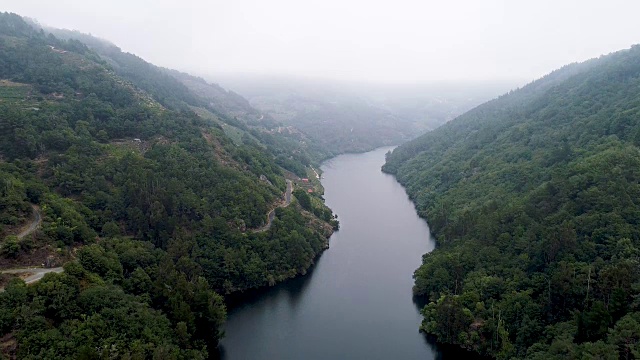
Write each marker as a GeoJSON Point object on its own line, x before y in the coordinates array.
{"type": "Point", "coordinates": [356, 303]}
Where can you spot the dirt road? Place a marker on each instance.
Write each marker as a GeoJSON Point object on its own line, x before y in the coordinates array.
{"type": "Point", "coordinates": [32, 275]}
{"type": "Point", "coordinates": [272, 214]}
{"type": "Point", "coordinates": [37, 219]}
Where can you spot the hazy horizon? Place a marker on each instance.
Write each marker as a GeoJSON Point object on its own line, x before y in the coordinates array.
{"type": "Point", "coordinates": [406, 42]}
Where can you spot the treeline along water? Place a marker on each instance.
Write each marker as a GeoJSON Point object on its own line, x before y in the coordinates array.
{"type": "Point", "coordinates": [357, 301]}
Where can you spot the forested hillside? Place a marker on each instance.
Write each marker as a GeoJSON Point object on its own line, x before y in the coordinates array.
{"type": "Point", "coordinates": [534, 200]}
{"type": "Point", "coordinates": [150, 204]}
{"type": "Point", "coordinates": [242, 123]}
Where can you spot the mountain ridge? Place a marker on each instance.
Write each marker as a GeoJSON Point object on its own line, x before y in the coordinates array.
{"type": "Point", "coordinates": [531, 198]}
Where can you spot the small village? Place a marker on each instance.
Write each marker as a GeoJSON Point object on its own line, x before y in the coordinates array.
{"type": "Point", "coordinates": [310, 184]}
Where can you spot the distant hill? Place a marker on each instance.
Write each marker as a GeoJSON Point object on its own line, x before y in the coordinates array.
{"type": "Point", "coordinates": [533, 198]}
{"type": "Point", "coordinates": [355, 118]}
{"type": "Point", "coordinates": [152, 194]}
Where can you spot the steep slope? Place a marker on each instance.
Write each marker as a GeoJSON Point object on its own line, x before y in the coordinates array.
{"type": "Point", "coordinates": [151, 206]}
{"type": "Point", "coordinates": [290, 145]}
{"type": "Point", "coordinates": [293, 149]}
{"type": "Point", "coordinates": [231, 103]}
{"type": "Point", "coordinates": [533, 198]}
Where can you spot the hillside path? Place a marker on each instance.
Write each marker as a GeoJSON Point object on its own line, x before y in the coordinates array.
{"type": "Point", "coordinates": [31, 274]}
{"type": "Point", "coordinates": [272, 214]}
{"type": "Point", "coordinates": [37, 219]}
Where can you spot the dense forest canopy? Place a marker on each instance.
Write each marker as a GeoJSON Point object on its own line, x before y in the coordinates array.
{"type": "Point", "coordinates": [533, 198]}
{"type": "Point", "coordinates": [151, 195]}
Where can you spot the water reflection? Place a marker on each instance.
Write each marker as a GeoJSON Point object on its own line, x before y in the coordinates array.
{"type": "Point", "coordinates": [292, 290]}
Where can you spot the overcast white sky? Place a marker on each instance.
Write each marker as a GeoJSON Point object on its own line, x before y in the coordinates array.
{"type": "Point", "coordinates": [363, 40]}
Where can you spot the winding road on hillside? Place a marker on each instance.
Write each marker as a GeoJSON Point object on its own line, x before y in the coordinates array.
{"type": "Point", "coordinates": [37, 219]}
{"type": "Point", "coordinates": [31, 274]}
{"type": "Point", "coordinates": [272, 214]}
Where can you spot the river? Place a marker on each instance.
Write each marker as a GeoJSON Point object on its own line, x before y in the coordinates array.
{"type": "Point", "coordinates": [356, 303]}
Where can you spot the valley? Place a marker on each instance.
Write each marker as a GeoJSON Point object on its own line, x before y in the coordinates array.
{"type": "Point", "coordinates": [342, 181]}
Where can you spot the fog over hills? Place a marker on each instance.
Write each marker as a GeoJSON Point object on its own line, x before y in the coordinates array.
{"type": "Point", "coordinates": [404, 41]}
{"type": "Point", "coordinates": [349, 116]}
